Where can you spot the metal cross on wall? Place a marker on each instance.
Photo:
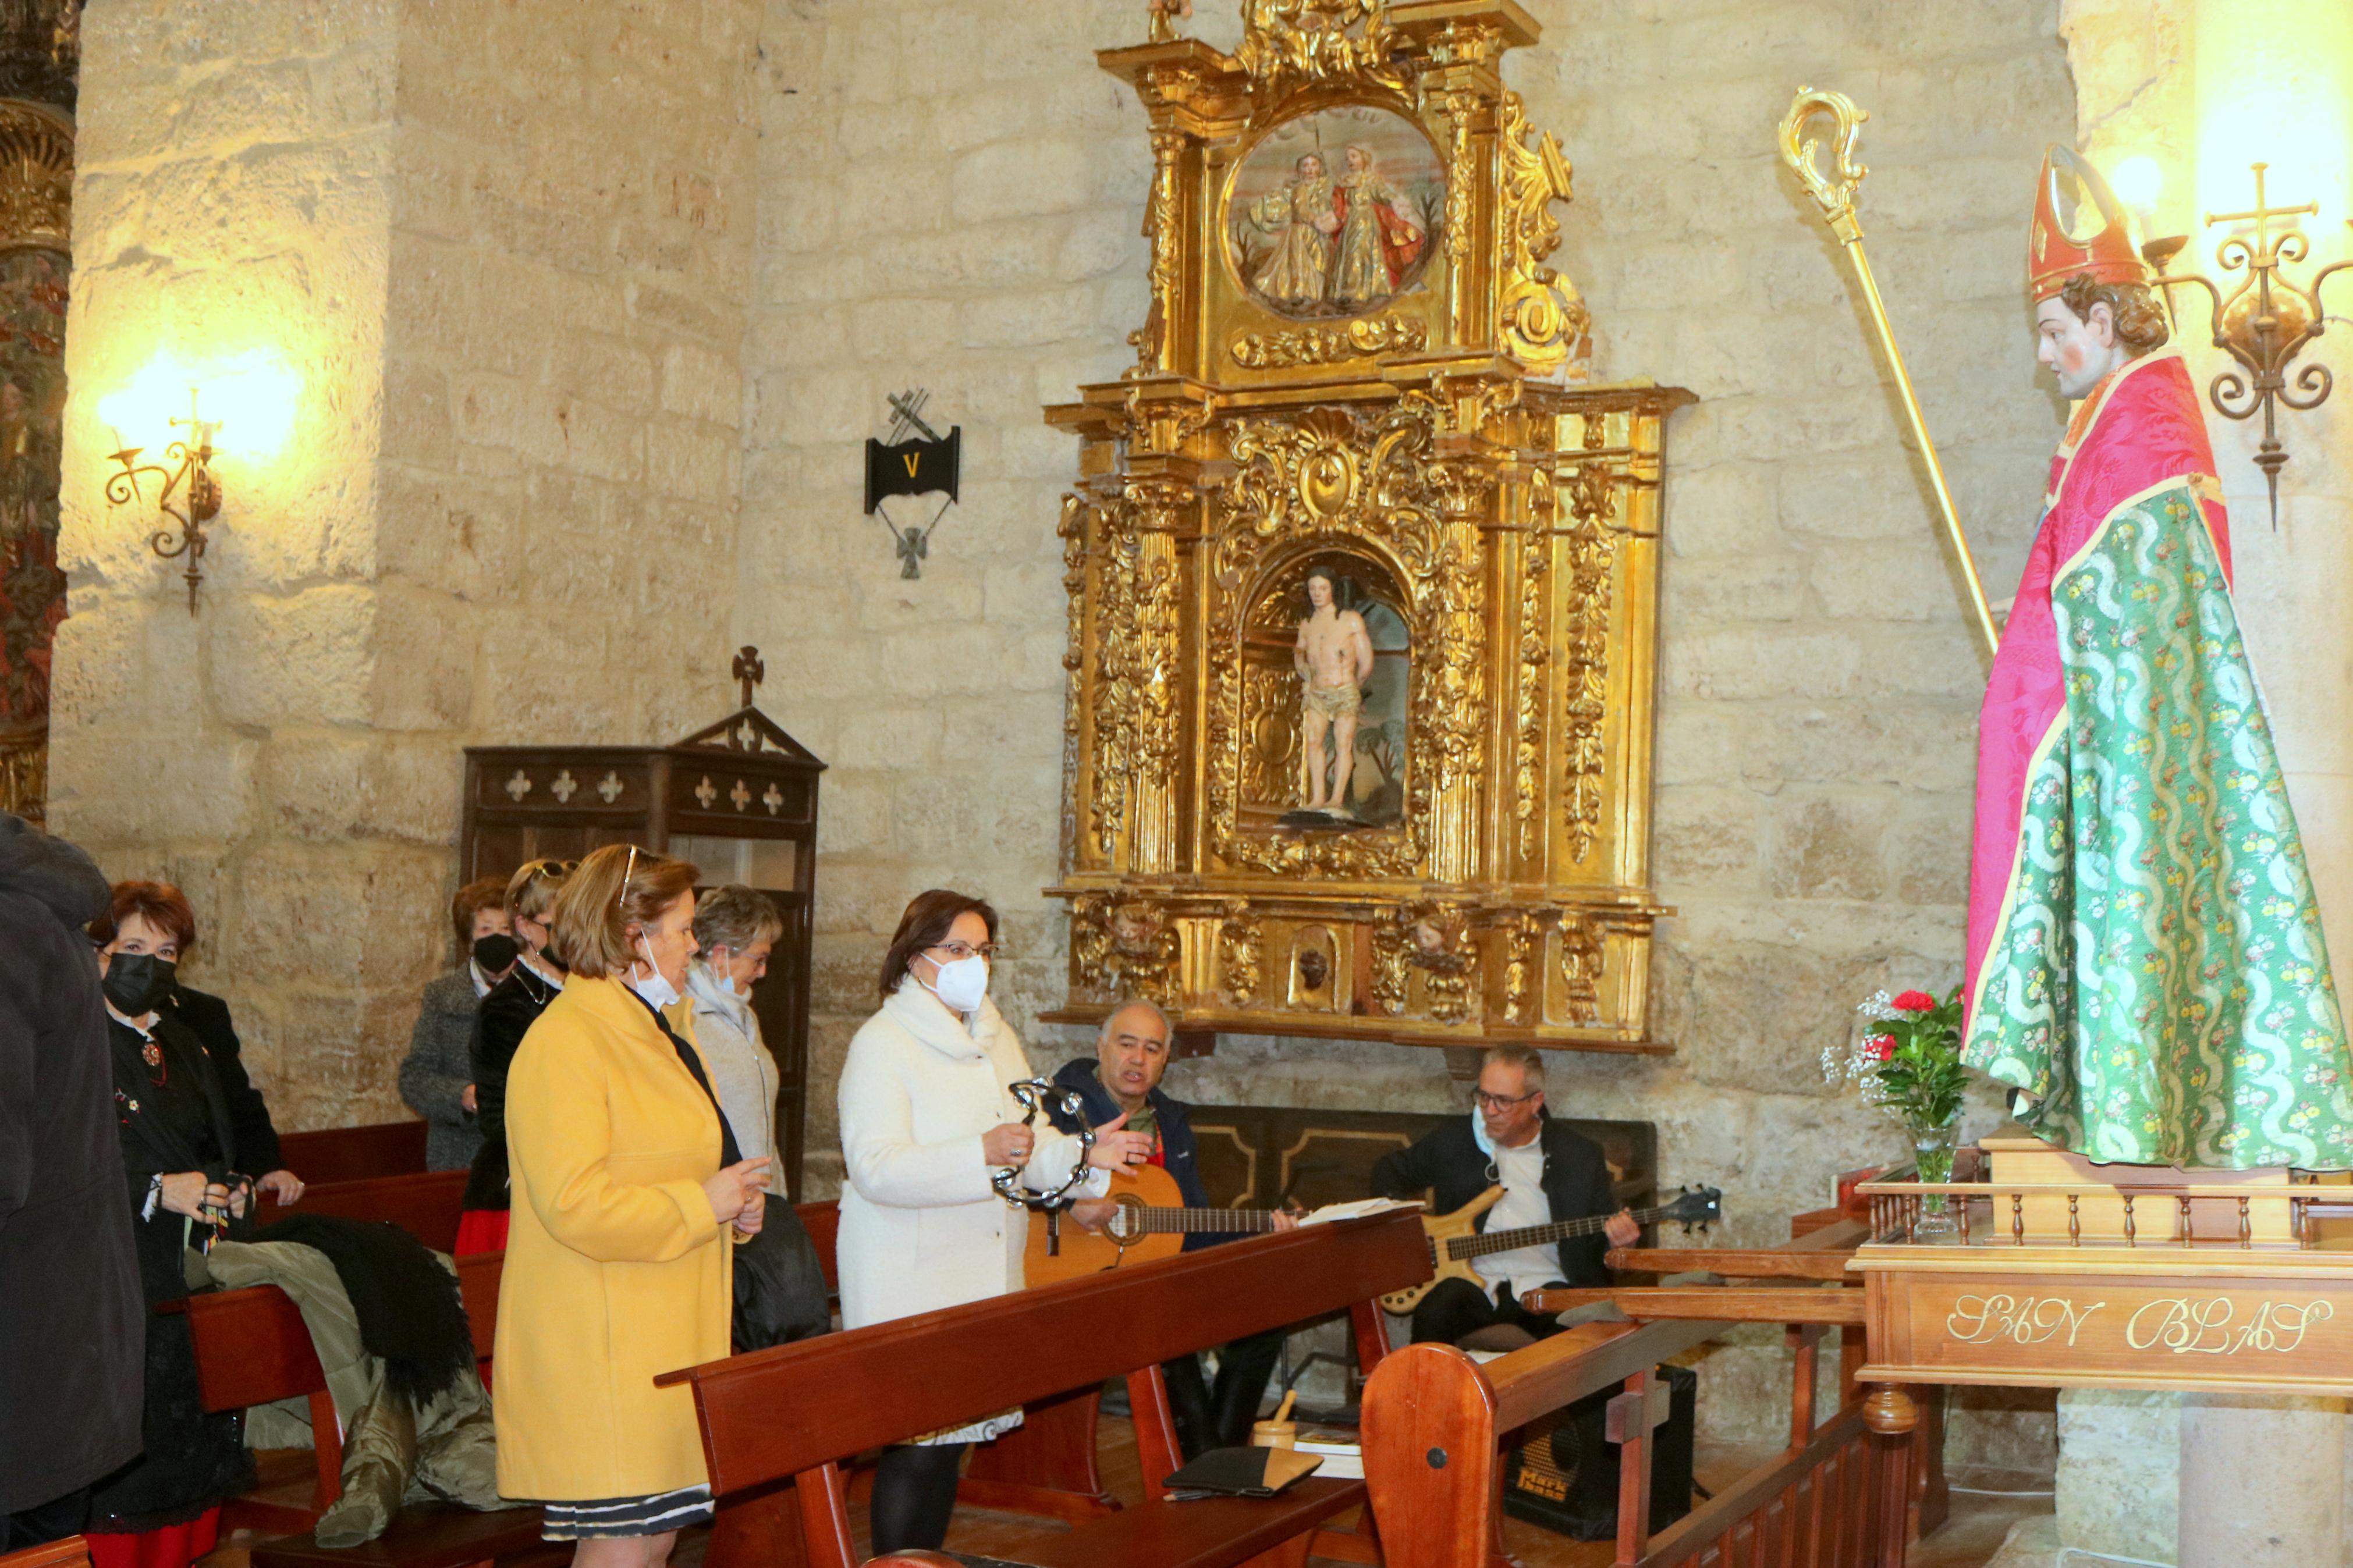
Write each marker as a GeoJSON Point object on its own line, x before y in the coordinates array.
{"type": "Point", "coordinates": [749, 669]}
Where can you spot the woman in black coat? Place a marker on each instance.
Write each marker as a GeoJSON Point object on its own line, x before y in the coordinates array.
{"type": "Point", "coordinates": [179, 1162]}
{"type": "Point", "coordinates": [72, 1327]}
{"type": "Point", "coordinates": [511, 1008]}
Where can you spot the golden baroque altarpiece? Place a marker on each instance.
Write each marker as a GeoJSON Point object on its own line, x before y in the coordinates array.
{"type": "Point", "coordinates": [1356, 367]}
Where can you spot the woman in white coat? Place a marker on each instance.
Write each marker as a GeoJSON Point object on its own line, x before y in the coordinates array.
{"type": "Point", "coordinates": [927, 1118]}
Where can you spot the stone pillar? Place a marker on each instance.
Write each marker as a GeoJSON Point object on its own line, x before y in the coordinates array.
{"type": "Point", "coordinates": [2263, 1482]}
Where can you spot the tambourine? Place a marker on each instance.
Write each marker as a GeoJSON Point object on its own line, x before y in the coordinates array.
{"type": "Point", "coordinates": [1032, 1094]}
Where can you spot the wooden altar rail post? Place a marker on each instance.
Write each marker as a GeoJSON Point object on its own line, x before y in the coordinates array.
{"type": "Point", "coordinates": [1840, 1496]}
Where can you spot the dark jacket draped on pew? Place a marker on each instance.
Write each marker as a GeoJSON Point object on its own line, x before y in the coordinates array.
{"type": "Point", "coordinates": [71, 1330]}
{"type": "Point", "coordinates": [173, 1118]}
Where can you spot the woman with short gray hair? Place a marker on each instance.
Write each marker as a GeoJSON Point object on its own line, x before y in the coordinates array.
{"type": "Point", "coordinates": [737, 928]}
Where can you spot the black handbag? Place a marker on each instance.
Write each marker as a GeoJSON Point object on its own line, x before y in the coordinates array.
{"type": "Point", "coordinates": [780, 1294]}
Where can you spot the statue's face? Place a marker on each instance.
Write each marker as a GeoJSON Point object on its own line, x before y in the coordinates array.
{"type": "Point", "coordinates": [2080, 353]}
{"type": "Point", "coordinates": [1311, 167]}
{"type": "Point", "coordinates": [1358, 159]}
{"type": "Point", "coordinates": [1319, 591]}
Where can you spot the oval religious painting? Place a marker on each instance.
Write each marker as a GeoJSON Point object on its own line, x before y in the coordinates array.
{"type": "Point", "coordinates": [1334, 213]}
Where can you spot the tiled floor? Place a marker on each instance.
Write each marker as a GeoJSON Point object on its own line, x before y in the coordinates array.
{"type": "Point", "coordinates": [1967, 1539]}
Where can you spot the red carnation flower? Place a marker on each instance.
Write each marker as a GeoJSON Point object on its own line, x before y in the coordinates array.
{"type": "Point", "coordinates": [1914, 1002]}
{"type": "Point", "coordinates": [1883, 1047]}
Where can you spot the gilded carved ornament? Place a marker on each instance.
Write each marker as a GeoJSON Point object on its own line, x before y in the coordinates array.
{"type": "Point", "coordinates": [36, 176]}
{"type": "Point", "coordinates": [1358, 339]}
{"type": "Point", "coordinates": [1545, 324]}
{"type": "Point", "coordinates": [1477, 869]}
{"type": "Point", "coordinates": [1285, 42]}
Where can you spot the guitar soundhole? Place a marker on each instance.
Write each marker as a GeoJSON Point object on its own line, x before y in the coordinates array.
{"type": "Point", "coordinates": [1126, 1224]}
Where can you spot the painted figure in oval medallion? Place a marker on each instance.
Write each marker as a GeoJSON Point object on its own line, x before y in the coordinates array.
{"type": "Point", "coordinates": [2146, 964]}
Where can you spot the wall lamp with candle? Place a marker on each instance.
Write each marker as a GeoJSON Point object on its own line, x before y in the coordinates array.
{"type": "Point", "coordinates": [2263, 320]}
{"type": "Point", "coordinates": [190, 476]}
{"type": "Point", "coordinates": [253, 392]}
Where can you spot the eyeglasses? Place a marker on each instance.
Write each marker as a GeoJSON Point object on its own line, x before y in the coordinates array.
{"type": "Point", "coordinates": [1498, 1102]}
{"type": "Point", "coordinates": [551, 869]}
{"type": "Point", "coordinates": [960, 950]}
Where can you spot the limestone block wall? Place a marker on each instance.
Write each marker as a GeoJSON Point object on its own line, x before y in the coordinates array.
{"type": "Point", "coordinates": [504, 246]}
{"type": "Point", "coordinates": [951, 195]}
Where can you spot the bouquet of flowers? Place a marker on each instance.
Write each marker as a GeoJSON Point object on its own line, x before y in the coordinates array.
{"type": "Point", "coordinates": [1908, 1057]}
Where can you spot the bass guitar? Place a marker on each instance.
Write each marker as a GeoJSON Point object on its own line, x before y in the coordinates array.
{"type": "Point", "coordinates": [1455, 1238]}
{"type": "Point", "coordinates": [1151, 1222]}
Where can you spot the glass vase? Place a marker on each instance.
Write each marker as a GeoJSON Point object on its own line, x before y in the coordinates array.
{"type": "Point", "coordinates": [1932, 1149]}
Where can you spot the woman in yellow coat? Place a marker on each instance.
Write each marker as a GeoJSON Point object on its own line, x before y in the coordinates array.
{"type": "Point", "coordinates": [624, 1183]}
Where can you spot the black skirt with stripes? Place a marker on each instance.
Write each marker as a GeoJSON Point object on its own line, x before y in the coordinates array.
{"type": "Point", "coordinates": [620, 1516]}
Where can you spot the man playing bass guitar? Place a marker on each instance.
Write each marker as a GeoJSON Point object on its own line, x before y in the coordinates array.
{"type": "Point", "coordinates": [1549, 1174]}
{"type": "Point", "coordinates": [1123, 1075]}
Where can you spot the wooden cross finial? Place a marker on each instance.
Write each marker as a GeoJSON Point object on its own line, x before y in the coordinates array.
{"type": "Point", "coordinates": [749, 670]}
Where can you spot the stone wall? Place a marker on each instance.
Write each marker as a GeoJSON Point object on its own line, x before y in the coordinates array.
{"type": "Point", "coordinates": [951, 195]}
{"type": "Point", "coordinates": [505, 247]}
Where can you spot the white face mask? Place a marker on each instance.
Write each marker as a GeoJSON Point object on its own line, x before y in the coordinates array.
{"type": "Point", "coordinates": [656, 989]}
{"type": "Point", "coordinates": [962, 983]}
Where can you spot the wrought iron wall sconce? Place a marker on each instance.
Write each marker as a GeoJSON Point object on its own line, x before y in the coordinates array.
{"type": "Point", "coordinates": [2263, 322]}
{"type": "Point", "coordinates": [189, 475]}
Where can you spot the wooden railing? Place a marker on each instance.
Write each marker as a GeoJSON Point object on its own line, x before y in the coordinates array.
{"type": "Point", "coordinates": [1839, 1495]}
{"type": "Point", "coordinates": [2098, 1214]}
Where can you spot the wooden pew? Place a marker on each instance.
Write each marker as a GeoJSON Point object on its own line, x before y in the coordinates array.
{"type": "Point", "coordinates": [73, 1552]}
{"type": "Point", "coordinates": [355, 1154]}
{"type": "Point", "coordinates": [251, 1349]}
{"type": "Point", "coordinates": [1435, 1421]}
{"type": "Point", "coordinates": [855, 1390]}
{"type": "Point", "coordinates": [424, 1203]}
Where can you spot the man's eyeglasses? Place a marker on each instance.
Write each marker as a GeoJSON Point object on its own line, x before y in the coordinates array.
{"type": "Point", "coordinates": [1498, 1102]}
{"type": "Point", "coordinates": [958, 950]}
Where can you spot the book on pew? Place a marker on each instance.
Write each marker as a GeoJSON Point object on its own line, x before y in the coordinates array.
{"type": "Point", "coordinates": [1239, 1472]}
{"type": "Point", "coordinates": [1338, 1447]}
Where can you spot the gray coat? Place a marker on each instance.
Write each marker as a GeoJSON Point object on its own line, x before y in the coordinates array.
{"type": "Point", "coordinates": [73, 1326]}
{"type": "Point", "coordinates": [437, 1070]}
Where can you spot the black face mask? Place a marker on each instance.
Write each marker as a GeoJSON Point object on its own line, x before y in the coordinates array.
{"type": "Point", "coordinates": [137, 982]}
{"type": "Point", "coordinates": [495, 953]}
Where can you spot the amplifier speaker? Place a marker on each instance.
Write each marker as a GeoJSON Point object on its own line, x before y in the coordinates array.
{"type": "Point", "coordinates": [1564, 1473]}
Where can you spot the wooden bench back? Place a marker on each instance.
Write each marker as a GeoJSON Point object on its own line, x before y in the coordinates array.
{"type": "Point", "coordinates": [1434, 1420]}
{"type": "Point", "coordinates": [850, 1391]}
{"type": "Point", "coordinates": [73, 1552]}
{"type": "Point", "coordinates": [355, 1154]}
{"type": "Point", "coordinates": [425, 1203]}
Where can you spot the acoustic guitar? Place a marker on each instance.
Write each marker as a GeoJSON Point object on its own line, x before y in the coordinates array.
{"type": "Point", "coordinates": [1455, 1240]}
{"type": "Point", "coordinates": [1151, 1222]}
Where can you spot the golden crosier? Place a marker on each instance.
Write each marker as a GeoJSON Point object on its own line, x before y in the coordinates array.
{"type": "Point", "coordinates": [1833, 190]}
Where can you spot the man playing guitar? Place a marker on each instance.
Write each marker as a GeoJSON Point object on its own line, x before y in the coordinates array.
{"type": "Point", "coordinates": [1123, 1075]}
{"type": "Point", "coordinates": [1549, 1174]}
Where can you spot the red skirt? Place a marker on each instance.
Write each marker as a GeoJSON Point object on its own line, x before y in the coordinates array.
{"type": "Point", "coordinates": [482, 1230]}
{"type": "Point", "coordinates": [173, 1546]}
